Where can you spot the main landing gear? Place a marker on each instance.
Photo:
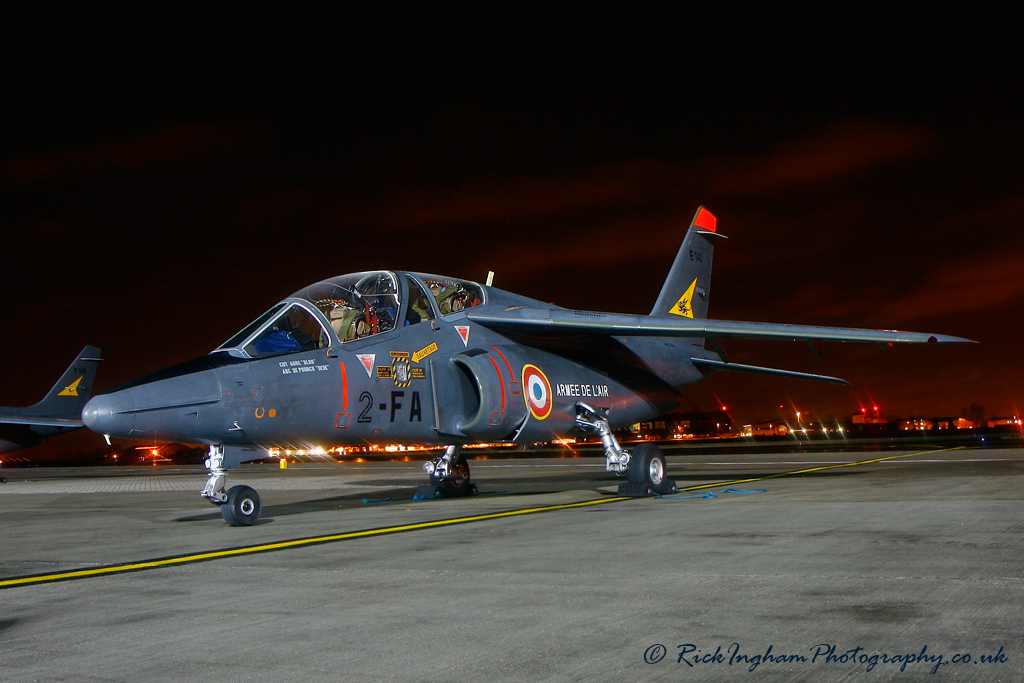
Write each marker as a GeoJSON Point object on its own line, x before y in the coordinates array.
{"type": "Point", "coordinates": [644, 468]}
{"type": "Point", "coordinates": [449, 476]}
{"type": "Point", "coordinates": [239, 506]}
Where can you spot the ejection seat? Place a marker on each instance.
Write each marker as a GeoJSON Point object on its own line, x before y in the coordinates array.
{"type": "Point", "coordinates": [345, 322]}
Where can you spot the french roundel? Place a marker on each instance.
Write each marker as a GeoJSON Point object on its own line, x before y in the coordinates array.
{"type": "Point", "coordinates": [538, 391]}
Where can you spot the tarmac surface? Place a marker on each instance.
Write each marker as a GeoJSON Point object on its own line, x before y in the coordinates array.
{"type": "Point", "coordinates": [813, 567]}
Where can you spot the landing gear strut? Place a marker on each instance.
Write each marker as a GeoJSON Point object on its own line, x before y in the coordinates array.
{"type": "Point", "coordinates": [241, 505]}
{"type": "Point", "coordinates": [645, 467]}
{"type": "Point", "coordinates": [215, 485]}
{"type": "Point", "coordinates": [449, 476]}
{"type": "Point", "coordinates": [588, 418]}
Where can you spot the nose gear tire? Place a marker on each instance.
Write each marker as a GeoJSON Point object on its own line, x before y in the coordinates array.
{"type": "Point", "coordinates": [242, 507]}
{"type": "Point", "coordinates": [456, 485]}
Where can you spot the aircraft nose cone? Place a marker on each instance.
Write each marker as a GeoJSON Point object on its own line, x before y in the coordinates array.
{"type": "Point", "coordinates": [109, 414]}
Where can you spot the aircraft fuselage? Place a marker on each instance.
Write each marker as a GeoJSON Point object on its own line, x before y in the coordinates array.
{"type": "Point", "coordinates": [435, 383]}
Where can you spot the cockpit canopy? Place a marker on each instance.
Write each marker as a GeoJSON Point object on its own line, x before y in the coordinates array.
{"type": "Point", "coordinates": [352, 307]}
{"type": "Point", "coordinates": [356, 305]}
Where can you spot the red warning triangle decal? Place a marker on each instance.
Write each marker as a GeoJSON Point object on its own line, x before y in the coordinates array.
{"type": "Point", "coordinates": [463, 331]}
{"type": "Point", "coordinates": [367, 361]}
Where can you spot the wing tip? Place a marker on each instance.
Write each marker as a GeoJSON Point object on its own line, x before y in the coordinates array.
{"type": "Point", "coordinates": [948, 339]}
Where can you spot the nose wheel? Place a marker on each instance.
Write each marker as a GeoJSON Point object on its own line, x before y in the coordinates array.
{"type": "Point", "coordinates": [449, 476]}
{"type": "Point", "coordinates": [239, 506]}
{"type": "Point", "coordinates": [457, 483]}
{"type": "Point", "coordinates": [243, 506]}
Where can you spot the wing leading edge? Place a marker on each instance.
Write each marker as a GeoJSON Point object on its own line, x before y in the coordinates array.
{"type": "Point", "coordinates": [547, 322]}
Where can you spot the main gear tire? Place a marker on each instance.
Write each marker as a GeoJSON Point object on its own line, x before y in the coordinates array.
{"type": "Point", "coordinates": [647, 466]}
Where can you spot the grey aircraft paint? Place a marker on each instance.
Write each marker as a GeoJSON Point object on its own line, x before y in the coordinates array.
{"type": "Point", "coordinates": [396, 357]}
{"type": "Point", "coordinates": [59, 412]}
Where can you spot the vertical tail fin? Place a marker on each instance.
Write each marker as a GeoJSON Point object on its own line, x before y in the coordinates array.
{"type": "Point", "coordinates": [71, 392]}
{"type": "Point", "coordinates": [686, 289]}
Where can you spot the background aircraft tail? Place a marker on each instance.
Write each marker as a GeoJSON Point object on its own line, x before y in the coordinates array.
{"type": "Point", "coordinates": [686, 289]}
{"type": "Point", "coordinates": [71, 392]}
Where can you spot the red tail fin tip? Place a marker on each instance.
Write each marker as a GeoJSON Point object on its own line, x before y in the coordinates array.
{"type": "Point", "coordinates": [705, 220]}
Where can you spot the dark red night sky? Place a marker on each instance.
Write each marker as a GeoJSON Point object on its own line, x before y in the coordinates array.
{"type": "Point", "coordinates": [161, 192]}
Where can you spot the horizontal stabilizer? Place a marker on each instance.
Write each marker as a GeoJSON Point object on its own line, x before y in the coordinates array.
{"type": "Point", "coordinates": [547, 322]}
{"type": "Point", "coordinates": [31, 421]}
{"type": "Point", "coordinates": [758, 370]}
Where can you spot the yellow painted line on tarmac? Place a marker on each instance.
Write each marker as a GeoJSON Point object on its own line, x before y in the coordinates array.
{"type": "Point", "coordinates": [283, 545]}
{"type": "Point", "coordinates": [333, 538]}
{"type": "Point", "coordinates": [817, 469]}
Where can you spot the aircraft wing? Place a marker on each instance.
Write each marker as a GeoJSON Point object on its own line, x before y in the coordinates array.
{"type": "Point", "coordinates": [556, 322]}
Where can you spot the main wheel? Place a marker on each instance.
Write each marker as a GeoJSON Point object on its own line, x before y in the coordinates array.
{"type": "Point", "coordinates": [647, 466]}
{"type": "Point", "coordinates": [457, 485]}
{"type": "Point", "coordinates": [242, 507]}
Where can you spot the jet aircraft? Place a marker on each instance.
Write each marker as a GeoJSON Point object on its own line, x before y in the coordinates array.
{"type": "Point", "coordinates": [402, 357]}
{"type": "Point", "coordinates": [59, 412]}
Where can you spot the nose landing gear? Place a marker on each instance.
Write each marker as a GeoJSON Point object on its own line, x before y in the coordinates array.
{"type": "Point", "coordinates": [241, 505]}
{"type": "Point", "coordinates": [449, 476]}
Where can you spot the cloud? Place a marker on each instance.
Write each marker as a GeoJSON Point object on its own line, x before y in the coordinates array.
{"type": "Point", "coordinates": [967, 275]}
{"type": "Point", "coordinates": [624, 214]}
{"type": "Point", "coordinates": [985, 281]}
{"type": "Point", "coordinates": [611, 244]}
{"type": "Point", "coordinates": [500, 199]}
{"type": "Point", "coordinates": [155, 149]}
{"type": "Point", "coordinates": [840, 149]}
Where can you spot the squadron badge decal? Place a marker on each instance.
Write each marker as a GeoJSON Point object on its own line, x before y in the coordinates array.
{"type": "Point", "coordinates": [684, 307]}
{"type": "Point", "coordinates": [71, 389]}
{"type": "Point", "coordinates": [400, 370]}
